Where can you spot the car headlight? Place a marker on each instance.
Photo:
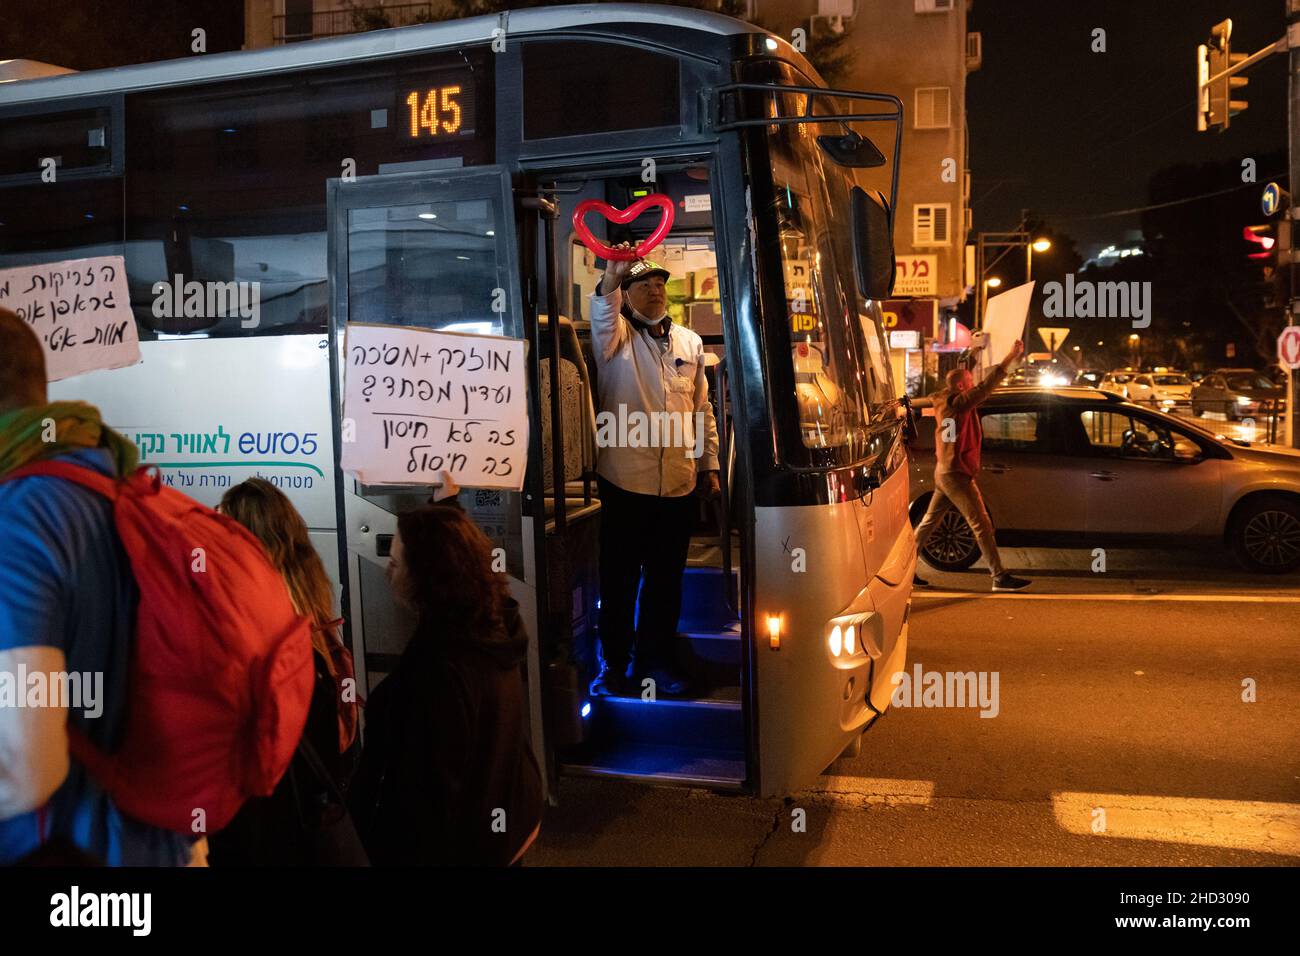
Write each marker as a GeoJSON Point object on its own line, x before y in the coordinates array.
{"type": "Point", "coordinates": [1243, 400]}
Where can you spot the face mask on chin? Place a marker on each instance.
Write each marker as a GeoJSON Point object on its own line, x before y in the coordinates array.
{"type": "Point", "coordinates": [644, 320]}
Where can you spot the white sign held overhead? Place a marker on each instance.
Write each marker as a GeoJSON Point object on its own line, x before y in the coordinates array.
{"type": "Point", "coordinates": [1053, 338]}
{"type": "Point", "coordinates": [1004, 321]}
{"type": "Point", "coordinates": [80, 309]}
{"type": "Point", "coordinates": [419, 403]}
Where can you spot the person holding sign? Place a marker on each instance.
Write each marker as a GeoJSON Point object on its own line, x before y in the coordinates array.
{"type": "Point", "coordinates": [957, 461]}
{"type": "Point", "coordinates": [650, 375]}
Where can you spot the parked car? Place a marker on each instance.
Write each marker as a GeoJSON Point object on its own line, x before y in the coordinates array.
{"type": "Point", "coordinates": [1238, 393]}
{"type": "Point", "coordinates": [1078, 467]}
{"type": "Point", "coordinates": [1117, 382]}
{"type": "Point", "coordinates": [1166, 390]}
{"type": "Point", "coordinates": [1090, 377]}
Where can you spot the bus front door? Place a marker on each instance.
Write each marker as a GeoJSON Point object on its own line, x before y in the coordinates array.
{"type": "Point", "coordinates": [434, 250]}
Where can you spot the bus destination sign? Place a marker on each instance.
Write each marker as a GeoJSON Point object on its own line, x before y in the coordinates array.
{"type": "Point", "coordinates": [439, 112]}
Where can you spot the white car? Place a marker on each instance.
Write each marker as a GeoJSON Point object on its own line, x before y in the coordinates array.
{"type": "Point", "coordinates": [1167, 391]}
{"type": "Point", "coordinates": [1116, 382]}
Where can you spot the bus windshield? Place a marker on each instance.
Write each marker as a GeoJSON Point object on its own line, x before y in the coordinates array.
{"type": "Point", "coordinates": [841, 361]}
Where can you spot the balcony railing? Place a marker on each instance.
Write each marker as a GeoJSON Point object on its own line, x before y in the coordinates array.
{"type": "Point", "coordinates": [293, 27]}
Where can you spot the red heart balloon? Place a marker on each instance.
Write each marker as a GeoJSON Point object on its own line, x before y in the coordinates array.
{"type": "Point", "coordinates": [622, 216]}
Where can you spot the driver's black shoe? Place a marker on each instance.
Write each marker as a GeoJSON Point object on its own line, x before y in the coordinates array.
{"type": "Point", "coordinates": [611, 682]}
{"type": "Point", "coordinates": [667, 682]}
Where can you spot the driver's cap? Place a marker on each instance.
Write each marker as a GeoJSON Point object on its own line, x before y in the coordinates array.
{"type": "Point", "coordinates": [644, 269]}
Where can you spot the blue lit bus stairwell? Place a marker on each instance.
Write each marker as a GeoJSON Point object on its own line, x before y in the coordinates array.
{"type": "Point", "coordinates": [699, 739]}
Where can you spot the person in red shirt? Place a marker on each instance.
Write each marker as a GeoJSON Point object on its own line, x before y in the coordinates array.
{"type": "Point", "coordinates": [957, 462]}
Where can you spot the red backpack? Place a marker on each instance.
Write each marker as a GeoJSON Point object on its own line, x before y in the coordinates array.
{"type": "Point", "coordinates": [220, 674]}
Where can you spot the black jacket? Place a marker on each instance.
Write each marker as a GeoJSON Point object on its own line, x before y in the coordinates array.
{"type": "Point", "coordinates": [447, 776]}
{"type": "Point", "coordinates": [277, 830]}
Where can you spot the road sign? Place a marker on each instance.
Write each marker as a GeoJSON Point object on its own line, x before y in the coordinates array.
{"type": "Point", "coordinates": [1271, 201]}
{"type": "Point", "coordinates": [1288, 347]}
{"type": "Point", "coordinates": [1039, 356]}
{"type": "Point", "coordinates": [1053, 338]}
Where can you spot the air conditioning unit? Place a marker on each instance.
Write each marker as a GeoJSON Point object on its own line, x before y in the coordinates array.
{"type": "Point", "coordinates": [974, 52]}
{"type": "Point", "coordinates": [935, 6]}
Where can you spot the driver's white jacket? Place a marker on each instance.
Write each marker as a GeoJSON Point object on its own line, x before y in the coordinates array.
{"type": "Point", "coordinates": [653, 406]}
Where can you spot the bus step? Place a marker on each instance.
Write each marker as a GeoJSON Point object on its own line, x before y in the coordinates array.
{"type": "Point", "coordinates": [704, 605]}
{"type": "Point", "coordinates": [714, 722]}
{"type": "Point", "coordinates": [713, 656]}
{"type": "Point", "coordinates": [628, 760]}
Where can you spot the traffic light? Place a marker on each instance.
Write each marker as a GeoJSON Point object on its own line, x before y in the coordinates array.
{"type": "Point", "coordinates": [1264, 239]}
{"type": "Point", "coordinates": [1221, 107]}
{"type": "Point", "coordinates": [1268, 247]}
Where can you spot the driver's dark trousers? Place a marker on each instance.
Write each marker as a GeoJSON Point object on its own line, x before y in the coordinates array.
{"type": "Point", "coordinates": [643, 545]}
{"type": "Point", "coordinates": [952, 488]}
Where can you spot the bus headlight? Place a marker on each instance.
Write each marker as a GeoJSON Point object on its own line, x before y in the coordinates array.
{"type": "Point", "coordinates": [843, 637]}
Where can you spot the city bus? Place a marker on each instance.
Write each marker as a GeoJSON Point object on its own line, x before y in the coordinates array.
{"type": "Point", "coordinates": [426, 177]}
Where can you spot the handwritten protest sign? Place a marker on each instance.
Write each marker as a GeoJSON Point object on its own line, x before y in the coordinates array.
{"type": "Point", "coordinates": [80, 309]}
{"type": "Point", "coordinates": [417, 403]}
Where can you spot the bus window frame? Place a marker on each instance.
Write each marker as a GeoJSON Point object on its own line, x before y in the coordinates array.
{"type": "Point", "coordinates": [695, 72]}
{"type": "Point", "coordinates": [115, 103]}
{"type": "Point", "coordinates": [791, 455]}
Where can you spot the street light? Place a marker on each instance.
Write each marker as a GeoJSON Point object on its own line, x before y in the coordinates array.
{"type": "Point", "coordinates": [1006, 241]}
{"type": "Point", "coordinates": [993, 282]}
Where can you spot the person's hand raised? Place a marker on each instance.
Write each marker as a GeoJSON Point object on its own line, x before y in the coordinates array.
{"type": "Point", "coordinates": [1017, 350]}
{"type": "Point", "coordinates": [616, 270]}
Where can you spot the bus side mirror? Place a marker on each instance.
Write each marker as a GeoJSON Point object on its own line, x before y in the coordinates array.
{"type": "Point", "coordinates": [851, 149]}
{"type": "Point", "coordinates": [873, 244]}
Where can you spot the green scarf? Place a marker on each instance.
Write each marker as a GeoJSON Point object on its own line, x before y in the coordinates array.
{"type": "Point", "coordinates": [25, 435]}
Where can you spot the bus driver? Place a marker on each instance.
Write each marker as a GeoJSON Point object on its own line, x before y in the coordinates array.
{"type": "Point", "coordinates": [650, 372]}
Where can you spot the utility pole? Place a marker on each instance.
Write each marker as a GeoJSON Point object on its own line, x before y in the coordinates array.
{"type": "Point", "coordinates": [1286, 256]}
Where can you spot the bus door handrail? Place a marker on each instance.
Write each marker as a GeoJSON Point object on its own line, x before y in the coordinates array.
{"type": "Point", "coordinates": [548, 211]}
{"type": "Point", "coordinates": [718, 122]}
{"type": "Point", "coordinates": [725, 460]}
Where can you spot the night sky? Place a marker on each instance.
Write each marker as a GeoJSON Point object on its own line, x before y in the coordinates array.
{"type": "Point", "coordinates": [1054, 127]}
{"type": "Point", "coordinates": [1070, 133]}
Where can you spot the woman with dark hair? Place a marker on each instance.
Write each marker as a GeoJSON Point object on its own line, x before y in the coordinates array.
{"type": "Point", "coordinates": [447, 775]}
{"type": "Point", "coordinates": [287, 827]}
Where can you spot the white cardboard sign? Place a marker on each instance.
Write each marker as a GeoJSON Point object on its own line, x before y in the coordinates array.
{"type": "Point", "coordinates": [417, 403]}
{"type": "Point", "coordinates": [81, 311]}
{"type": "Point", "coordinates": [1004, 321]}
